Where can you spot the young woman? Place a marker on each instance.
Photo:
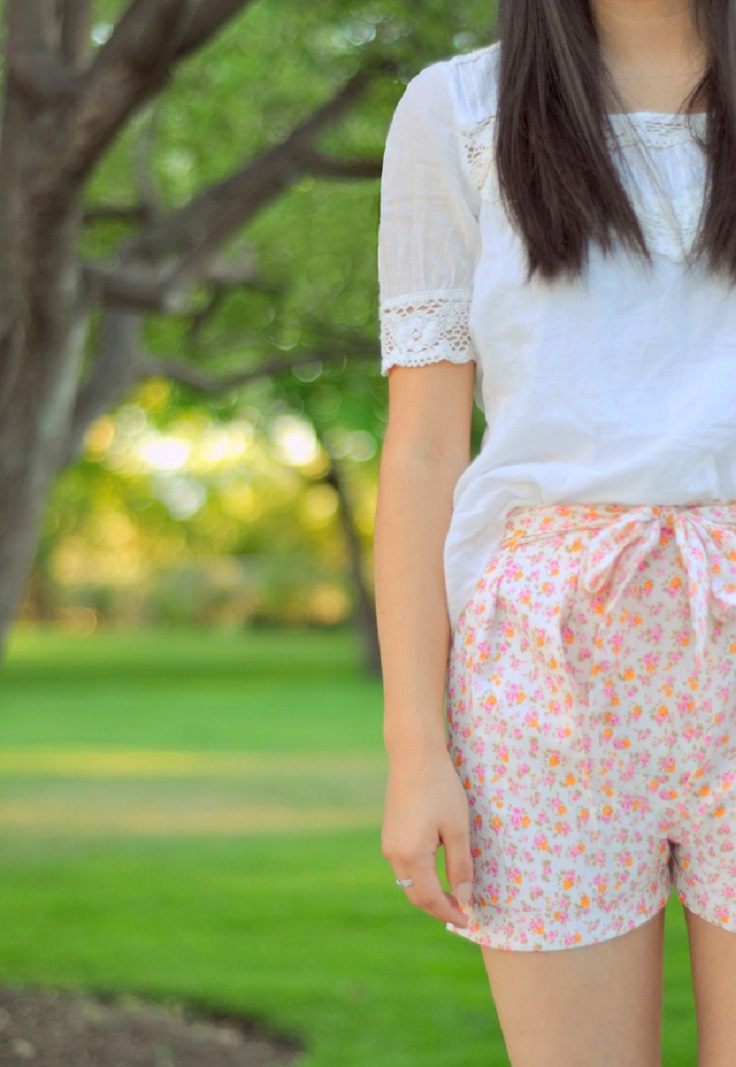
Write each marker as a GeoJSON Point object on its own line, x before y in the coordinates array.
{"type": "Point", "coordinates": [557, 616]}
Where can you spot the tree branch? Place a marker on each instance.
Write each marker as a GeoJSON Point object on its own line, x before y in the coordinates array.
{"type": "Point", "coordinates": [147, 34]}
{"type": "Point", "coordinates": [135, 213]}
{"type": "Point", "coordinates": [113, 373]}
{"type": "Point", "coordinates": [224, 208]}
{"type": "Point", "coordinates": [148, 190]}
{"type": "Point", "coordinates": [322, 166]}
{"type": "Point", "coordinates": [158, 288]}
{"type": "Point", "coordinates": [128, 70]}
{"type": "Point", "coordinates": [32, 66]}
{"type": "Point", "coordinates": [191, 375]}
{"type": "Point", "coordinates": [28, 23]}
{"type": "Point", "coordinates": [134, 288]}
{"type": "Point", "coordinates": [206, 20]}
{"type": "Point", "coordinates": [76, 22]}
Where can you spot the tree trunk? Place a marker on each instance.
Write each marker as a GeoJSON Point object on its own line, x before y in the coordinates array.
{"type": "Point", "coordinates": [63, 106]}
{"type": "Point", "coordinates": [41, 345]}
{"type": "Point", "coordinates": [365, 609]}
{"type": "Point", "coordinates": [33, 427]}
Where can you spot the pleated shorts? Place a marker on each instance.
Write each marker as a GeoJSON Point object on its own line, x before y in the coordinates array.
{"type": "Point", "coordinates": [591, 714]}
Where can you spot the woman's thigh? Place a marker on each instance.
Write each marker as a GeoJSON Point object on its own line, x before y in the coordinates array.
{"type": "Point", "coordinates": [598, 1004]}
{"type": "Point", "coordinates": [713, 962]}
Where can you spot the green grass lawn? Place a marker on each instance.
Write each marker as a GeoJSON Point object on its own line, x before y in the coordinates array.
{"type": "Point", "coordinates": [195, 818]}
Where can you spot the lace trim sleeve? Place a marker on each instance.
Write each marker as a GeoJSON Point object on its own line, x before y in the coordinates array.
{"type": "Point", "coordinates": [425, 328]}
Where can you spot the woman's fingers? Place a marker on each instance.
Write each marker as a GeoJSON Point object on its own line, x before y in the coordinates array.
{"type": "Point", "coordinates": [426, 809]}
{"type": "Point", "coordinates": [427, 892]}
{"type": "Point", "coordinates": [459, 865]}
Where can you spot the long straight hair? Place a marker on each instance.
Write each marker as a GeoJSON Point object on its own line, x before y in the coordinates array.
{"type": "Point", "coordinates": [556, 175]}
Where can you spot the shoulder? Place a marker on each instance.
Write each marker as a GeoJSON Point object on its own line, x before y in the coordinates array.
{"type": "Point", "coordinates": [473, 80]}
{"type": "Point", "coordinates": [463, 86]}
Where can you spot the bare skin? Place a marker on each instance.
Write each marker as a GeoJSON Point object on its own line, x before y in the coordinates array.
{"type": "Point", "coordinates": [598, 1004]}
{"type": "Point", "coordinates": [653, 50]}
{"type": "Point", "coordinates": [425, 449]}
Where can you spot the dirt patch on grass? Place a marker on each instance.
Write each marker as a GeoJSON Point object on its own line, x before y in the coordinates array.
{"type": "Point", "coordinates": [44, 1028]}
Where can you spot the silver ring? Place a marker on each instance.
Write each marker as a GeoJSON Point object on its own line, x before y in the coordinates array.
{"type": "Point", "coordinates": [404, 883]}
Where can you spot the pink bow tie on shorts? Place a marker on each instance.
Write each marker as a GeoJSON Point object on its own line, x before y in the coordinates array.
{"type": "Point", "coordinates": [617, 551]}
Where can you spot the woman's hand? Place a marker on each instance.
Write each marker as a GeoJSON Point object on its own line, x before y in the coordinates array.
{"type": "Point", "coordinates": [426, 807]}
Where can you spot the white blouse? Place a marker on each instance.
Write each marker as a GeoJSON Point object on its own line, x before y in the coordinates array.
{"type": "Point", "coordinates": [619, 387]}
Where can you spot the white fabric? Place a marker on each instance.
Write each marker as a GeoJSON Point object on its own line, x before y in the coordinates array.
{"type": "Point", "coordinates": [619, 387]}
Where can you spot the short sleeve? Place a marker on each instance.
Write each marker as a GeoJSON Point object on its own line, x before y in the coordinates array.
{"type": "Point", "coordinates": [428, 233]}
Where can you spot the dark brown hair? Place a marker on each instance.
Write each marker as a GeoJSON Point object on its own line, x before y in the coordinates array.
{"type": "Point", "coordinates": [557, 178]}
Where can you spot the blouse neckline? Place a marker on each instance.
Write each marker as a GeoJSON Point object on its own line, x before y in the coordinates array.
{"type": "Point", "coordinates": [657, 114]}
{"type": "Point", "coordinates": [658, 129]}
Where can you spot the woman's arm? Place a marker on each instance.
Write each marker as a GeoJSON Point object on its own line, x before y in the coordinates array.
{"type": "Point", "coordinates": [426, 447]}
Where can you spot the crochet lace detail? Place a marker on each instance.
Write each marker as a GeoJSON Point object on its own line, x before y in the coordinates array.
{"type": "Point", "coordinates": [478, 146]}
{"type": "Point", "coordinates": [426, 327]}
{"type": "Point", "coordinates": [656, 131]}
{"type": "Point", "coordinates": [670, 237]}
{"type": "Point", "coordinates": [648, 129]}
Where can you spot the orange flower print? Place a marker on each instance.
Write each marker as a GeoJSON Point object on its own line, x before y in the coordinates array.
{"type": "Point", "coordinates": [591, 718]}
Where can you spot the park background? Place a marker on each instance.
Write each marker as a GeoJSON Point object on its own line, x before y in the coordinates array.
{"type": "Point", "coordinates": [191, 766]}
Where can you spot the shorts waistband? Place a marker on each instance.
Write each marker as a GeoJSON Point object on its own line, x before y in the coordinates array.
{"type": "Point", "coordinates": [530, 521]}
{"type": "Point", "coordinates": [624, 535]}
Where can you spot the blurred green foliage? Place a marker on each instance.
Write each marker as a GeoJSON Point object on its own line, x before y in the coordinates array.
{"type": "Point", "coordinates": [127, 540]}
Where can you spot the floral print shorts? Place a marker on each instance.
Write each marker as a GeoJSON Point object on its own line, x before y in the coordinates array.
{"type": "Point", "coordinates": [591, 710]}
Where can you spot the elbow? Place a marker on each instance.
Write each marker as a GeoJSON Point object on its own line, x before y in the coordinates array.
{"type": "Point", "coordinates": [429, 458]}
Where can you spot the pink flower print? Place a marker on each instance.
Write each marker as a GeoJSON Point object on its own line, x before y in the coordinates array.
{"type": "Point", "coordinates": [515, 694]}
{"type": "Point", "coordinates": [519, 819]}
{"type": "Point", "coordinates": [666, 765]}
{"type": "Point", "coordinates": [650, 661]}
{"type": "Point", "coordinates": [684, 704]}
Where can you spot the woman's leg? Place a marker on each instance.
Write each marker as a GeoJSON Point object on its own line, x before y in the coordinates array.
{"type": "Point", "coordinates": [713, 962]}
{"type": "Point", "coordinates": [599, 1004]}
